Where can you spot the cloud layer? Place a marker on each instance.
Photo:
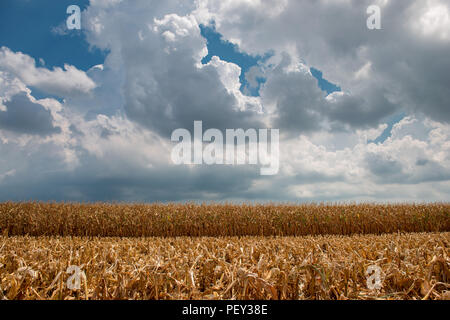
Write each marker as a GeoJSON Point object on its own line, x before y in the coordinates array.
{"type": "Point", "coordinates": [107, 135]}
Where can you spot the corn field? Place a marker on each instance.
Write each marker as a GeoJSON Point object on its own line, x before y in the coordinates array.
{"type": "Point", "coordinates": [193, 220]}
{"type": "Point", "coordinates": [413, 266]}
{"type": "Point", "coordinates": [224, 251]}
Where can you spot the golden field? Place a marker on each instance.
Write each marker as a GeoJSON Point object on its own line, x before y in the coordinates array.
{"type": "Point", "coordinates": [413, 266]}
{"type": "Point", "coordinates": [224, 251]}
{"type": "Point", "coordinates": [161, 220]}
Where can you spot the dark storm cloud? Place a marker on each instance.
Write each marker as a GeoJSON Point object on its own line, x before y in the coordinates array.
{"type": "Point", "coordinates": [388, 170]}
{"type": "Point", "coordinates": [297, 99]}
{"type": "Point", "coordinates": [360, 111]}
{"type": "Point", "coordinates": [25, 116]}
{"type": "Point", "coordinates": [180, 96]}
{"type": "Point", "coordinates": [93, 181]}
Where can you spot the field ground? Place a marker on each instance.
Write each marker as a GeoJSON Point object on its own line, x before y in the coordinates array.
{"type": "Point", "coordinates": [224, 251]}
{"type": "Point", "coordinates": [413, 266]}
{"type": "Point", "coordinates": [160, 220]}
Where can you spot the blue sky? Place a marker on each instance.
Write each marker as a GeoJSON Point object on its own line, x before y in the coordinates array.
{"type": "Point", "coordinates": [35, 36]}
{"type": "Point", "coordinates": [26, 26]}
{"type": "Point", "coordinates": [107, 134]}
{"type": "Point", "coordinates": [230, 52]}
{"type": "Point", "coordinates": [387, 132]}
{"type": "Point", "coordinates": [324, 84]}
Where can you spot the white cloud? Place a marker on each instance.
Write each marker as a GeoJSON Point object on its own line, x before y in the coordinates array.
{"type": "Point", "coordinates": [432, 19]}
{"type": "Point", "coordinates": [115, 120]}
{"type": "Point", "coordinates": [62, 82]}
{"type": "Point", "coordinates": [405, 62]}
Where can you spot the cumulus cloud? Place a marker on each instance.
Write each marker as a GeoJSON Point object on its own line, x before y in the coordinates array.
{"type": "Point", "coordinates": [109, 137]}
{"type": "Point", "coordinates": [165, 86]}
{"type": "Point", "coordinates": [404, 63]}
{"type": "Point", "coordinates": [293, 98]}
{"type": "Point", "coordinates": [61, 82]}
{"type": "Point", "coordinates": [25, 116]}
{"type": "Point", "coordinates": [20, 112]}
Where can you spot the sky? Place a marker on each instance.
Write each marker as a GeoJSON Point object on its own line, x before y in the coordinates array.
{"type": "Point", "coordinates": [362, 114]}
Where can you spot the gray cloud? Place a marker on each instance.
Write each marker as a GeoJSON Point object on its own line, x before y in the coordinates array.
{"type": "Point", "coordinates": [297, 99]}
{"type": "Point", "coordinates": [94, 180]}
{"type": "Point", "coordinates": [113, 143]}
{"type": "Point", "coordinates": [388, 170]}
{"type": "Point", "coordinates": [406, 62]}
{"type": "Point", "coordinates": [25, 116]}
{"type": "Point", "coordinates": [362, 111]}
{"type": "Point", "coordinates": [163, 86]}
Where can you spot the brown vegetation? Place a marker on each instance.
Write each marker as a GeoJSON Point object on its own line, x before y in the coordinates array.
{"type": "Point", "coordinates": [413, 266]}
{"type": "Point", "coordinates": [147, 220]}
{"type": "Point", "coordinates": [190, 251]}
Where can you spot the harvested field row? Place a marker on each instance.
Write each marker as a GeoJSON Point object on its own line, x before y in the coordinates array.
{"type": "Point", "coordinates": [413, 266]}
{"type": "Point", "coordinates": [161, 220]}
